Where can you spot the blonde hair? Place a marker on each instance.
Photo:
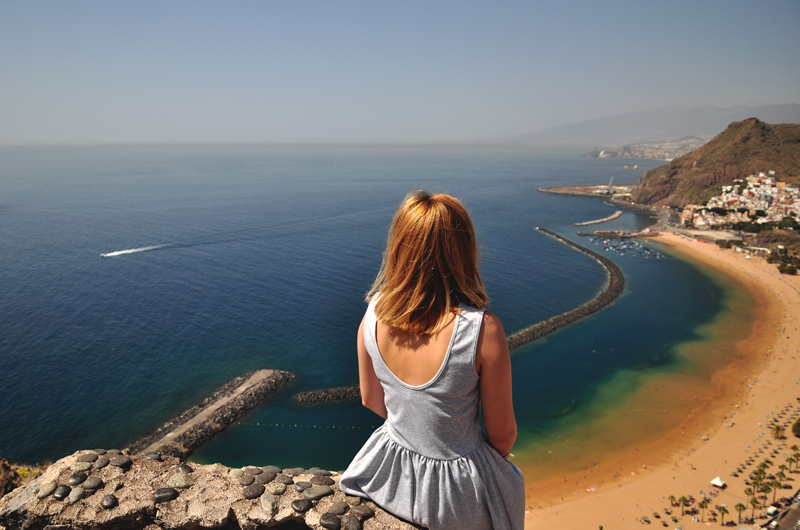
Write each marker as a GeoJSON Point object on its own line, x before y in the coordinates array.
{"type": "Point", "coordinates": [430, 265]}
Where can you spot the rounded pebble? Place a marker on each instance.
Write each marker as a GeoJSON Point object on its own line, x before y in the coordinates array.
{"type": "Point", "coordinates": [253, 491]}
{"type": "Point", "coordinates": [268, 502]}
{"type": "Point", "coordinates": [93, 483]}
{"type": "Point", "coordinates": [165, 495]}
{"type": "Point", "coordinates": [61, 492]}
{"type": "Point", "coordinates": [80, 466]}
{"type": "Point", "coordinates": [330, 521]}
{"type": "Point", "coordinates": [265, 477]}
{"type": "Point", "coordinates": [154, 456]}
{"type": "Point", "coordinates": [108, 502]}
{"type": "Point", "coordinates": [302, 485]}
{"type": "Point", "coordinates": [236, 474]}
{"type": "Point", "coordinates": [301, 505]}
{"type": "Point", "coordinates": [284, 479]}
{"type": "Point", "coordinates": [46, 489]}
{"type": "Point", "coordinates": [271, 469]}
{"type": "Point", "coordinates": [99, 451]}
{"type": "Point", "coordinates": [293, 471]}
{"type": "Point", "coordinates": [319, 472]}
{"type": "Point", "coordinates": [76, 478]}
{"type": "Point", "coordinates": [247, 479]}
{"type": "Point", "coordinates": [114, 452]}
{"type": "Point", "coordinates": [276, 488]}
{"type": "Point", "coordinates": [314, 493]}
{"type": "Point", "coordinates": [253, 470]}
{"type": "Point", "coordinates": [180, 480]}
{"type": "Point", "coordinates": [185, 468]}
{"type": "Point", "coordinates": [319, 480]}
{"type": "Point", "coordinates": [339, 508]}
{"type": "Point", "coordinates": [122, 462]}
{"type": "Point", "coordinates": [350, 522]}
{"type": "Point", "coordinates": [89, 457]}
{"type": "Point", "coordinates": [352, 500]}
{"type": "Point", "coordinates": [362, 511]}
{"type": "Point", "coordinates": [102, 462]}
{"type": "Point", "coordinates": [76, 494]}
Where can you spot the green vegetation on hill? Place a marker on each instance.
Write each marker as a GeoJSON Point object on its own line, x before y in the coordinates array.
{"type": "Point", "coordinates": [744, 148]}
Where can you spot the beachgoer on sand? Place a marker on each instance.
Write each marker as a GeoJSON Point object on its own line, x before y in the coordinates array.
{"type": "Point", "coordinates": [432, 361]}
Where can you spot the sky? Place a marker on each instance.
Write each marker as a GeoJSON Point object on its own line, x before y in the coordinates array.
{"type": "Point", "coordinates": [408, 71]}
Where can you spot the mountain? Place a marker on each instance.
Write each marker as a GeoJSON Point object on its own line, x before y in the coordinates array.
{"type": "Point", "coordinates": [659, 124]}
{"type": "Point", "coordinates": [743, 148]}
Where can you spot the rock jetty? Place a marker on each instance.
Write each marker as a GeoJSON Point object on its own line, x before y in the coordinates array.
{"type": "Point", "coordinates": [182, 435]}
{"type": "Point", "coordinates": [599, 221]}
{"type": "Point", "coordinates": [330, 395]}
{"type": "Point", "coordinates": [135, 492]}
{"type": "Point", "coordinates": [614, 288]}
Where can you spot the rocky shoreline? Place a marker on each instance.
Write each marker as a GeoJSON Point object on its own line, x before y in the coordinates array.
{"type": "Point", "coordinates": [614, 287]}
{"type": "Point", "coordinates": [111, 489]}
{"type": "Point", "coordinates": [182, 435]}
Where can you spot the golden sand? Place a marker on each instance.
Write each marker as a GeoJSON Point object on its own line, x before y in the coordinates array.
{"type": "Point", "coordinates": [662, 450]}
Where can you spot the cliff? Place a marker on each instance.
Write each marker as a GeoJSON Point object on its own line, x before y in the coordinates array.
{"type": "Point", "coordinates": [744, 148]}
{"type": "Point", "coordinates": [96, 489]}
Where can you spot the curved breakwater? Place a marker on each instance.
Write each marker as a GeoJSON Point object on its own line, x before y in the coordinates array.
{"type": "Point", "coordinates": [599, 221]}
{"type": "Point", "coordinates": [614, 287]}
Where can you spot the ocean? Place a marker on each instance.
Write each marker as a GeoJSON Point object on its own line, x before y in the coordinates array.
{"type": "Point", "coordinates": [229, 259]}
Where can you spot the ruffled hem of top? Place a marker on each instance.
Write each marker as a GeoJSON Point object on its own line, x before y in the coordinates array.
{"type": "Point", "coordinates": [479, 490]}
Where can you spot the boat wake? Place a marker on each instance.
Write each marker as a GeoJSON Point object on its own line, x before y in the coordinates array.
{"type": "Point", "coordinates": [131, 251]}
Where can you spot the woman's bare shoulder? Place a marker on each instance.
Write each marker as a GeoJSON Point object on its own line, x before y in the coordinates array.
{"type": "Point", "coordinates": [492, 327]}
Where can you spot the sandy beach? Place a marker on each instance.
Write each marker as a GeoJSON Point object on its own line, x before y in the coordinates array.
{"type": "Point", "coordinates": [728, 424]}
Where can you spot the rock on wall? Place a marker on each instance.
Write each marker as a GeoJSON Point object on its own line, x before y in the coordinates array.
{"type": "Point", "coordinates": [100, 489]}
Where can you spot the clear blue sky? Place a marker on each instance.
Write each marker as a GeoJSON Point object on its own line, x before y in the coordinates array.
{"type": "Point", "coordinates": [378, 71]}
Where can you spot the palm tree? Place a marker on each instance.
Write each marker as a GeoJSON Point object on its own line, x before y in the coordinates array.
{"type": "Point", "coordinates": [739, 509]}
{"type": "Point", "coordinates": [777, 431]}
{"type": "Point", "coordinates": [723, 511]}
{"type": "Point", "coordinates": [671, 500]}
{"type": "Point", "coordinates": [702, 505]}
{"type": "Point", "coordinates": [753, 502]}
{"type": "Point", "coordinates": [765, 489]}
{"type": "Point", "coordinates": [684, 502]}
{"type": "Point", "coordinates": [775, 487]}
{"type": "Point", "coordinates": [792, 460]}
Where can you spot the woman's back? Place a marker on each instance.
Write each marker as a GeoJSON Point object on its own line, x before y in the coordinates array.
{"type": "Point", "coordinates": [429, 462]}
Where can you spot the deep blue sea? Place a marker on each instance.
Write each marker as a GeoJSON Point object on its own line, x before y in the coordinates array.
{"type": "Point", "coordinates": [259, 257]}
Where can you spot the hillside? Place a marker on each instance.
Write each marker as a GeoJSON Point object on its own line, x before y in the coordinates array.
{"type": "Point", "coordinates": [744, 148]}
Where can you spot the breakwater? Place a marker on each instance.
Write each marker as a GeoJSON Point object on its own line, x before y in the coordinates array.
{"type": "Point", "coordinates": [330, 395]}
{"type": "Point", "coordinates": [188, 431]}
{"type": "Point", "coordinates": [614, 287]}
{"type": "Point", "coordinates": [603, 220]}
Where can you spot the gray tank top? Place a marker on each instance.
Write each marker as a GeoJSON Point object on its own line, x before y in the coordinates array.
{"type": "Point", "coordinates": [439, 419]}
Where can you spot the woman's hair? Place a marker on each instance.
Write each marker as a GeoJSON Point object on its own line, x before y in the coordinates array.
{"type": "Point", "coordinates": [430, 265]}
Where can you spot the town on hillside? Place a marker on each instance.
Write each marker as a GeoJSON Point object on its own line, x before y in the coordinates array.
{"type": "Point", "coordinates": [752, 204]}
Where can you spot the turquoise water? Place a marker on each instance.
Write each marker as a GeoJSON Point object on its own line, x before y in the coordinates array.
{"type": "Point", "coordinates": [259, 257]}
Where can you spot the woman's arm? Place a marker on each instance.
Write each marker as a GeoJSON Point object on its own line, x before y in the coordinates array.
{"type": "Point", "coordinates": [493, 363]}
{"type": "Point", "coordinates": [371, 389]}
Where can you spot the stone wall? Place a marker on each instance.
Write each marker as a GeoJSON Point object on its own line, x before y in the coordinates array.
{"type": "Point", "coordinates": [98, 489]}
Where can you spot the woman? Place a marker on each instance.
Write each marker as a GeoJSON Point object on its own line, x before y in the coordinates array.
{"type": "Point", "coordinates": [431, 361]}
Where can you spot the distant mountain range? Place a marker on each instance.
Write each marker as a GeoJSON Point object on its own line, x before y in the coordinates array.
{"type": "Point", "coordinates": [652, 125]}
